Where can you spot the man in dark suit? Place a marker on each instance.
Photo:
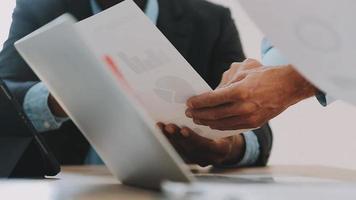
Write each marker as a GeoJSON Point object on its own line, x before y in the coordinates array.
{"type": "Point", "coordinates": [204, 33]}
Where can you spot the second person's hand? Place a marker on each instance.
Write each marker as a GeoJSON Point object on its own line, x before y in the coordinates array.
{"type": "Point", "coordinates": [196, 149]}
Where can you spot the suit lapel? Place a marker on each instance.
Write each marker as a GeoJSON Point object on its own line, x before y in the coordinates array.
{"type": "Point", "coordinates": [176, 24]}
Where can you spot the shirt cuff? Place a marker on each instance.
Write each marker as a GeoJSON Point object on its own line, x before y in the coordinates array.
{"type": "Point", "coordinates": [271, 56]}
{"type": "Point", "coordinates": [252, 151]}
{"type": "Point", "coordinates": [37, 110]}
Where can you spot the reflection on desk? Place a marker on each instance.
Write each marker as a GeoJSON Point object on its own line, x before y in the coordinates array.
{"type": "Point", "coordinates": [96, 182]}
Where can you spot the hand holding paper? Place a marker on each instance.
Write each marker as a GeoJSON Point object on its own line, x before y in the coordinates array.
{"type": "Point", "coordinates": [203, 151]}
{"type": "Point", "coordinates": [251, 99]}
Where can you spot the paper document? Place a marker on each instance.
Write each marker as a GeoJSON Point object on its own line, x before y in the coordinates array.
{"type": "Point", "coordinates": [318, 37]}
{"type": "Point", "coordinates": [139, 60]}
{"type": "Point", "coordinates": [146, 63]}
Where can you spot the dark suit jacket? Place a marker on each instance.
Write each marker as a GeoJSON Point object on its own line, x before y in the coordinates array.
{"type": "Point", "coordinates": [204, 33]}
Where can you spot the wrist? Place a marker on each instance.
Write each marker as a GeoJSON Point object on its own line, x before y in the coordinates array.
{"type": "Point", "coordinates": [299, 87]}
{"type": "Point", "coordinates": [237, 150]}
{"type": "Point", "coordinates": [55, 108]}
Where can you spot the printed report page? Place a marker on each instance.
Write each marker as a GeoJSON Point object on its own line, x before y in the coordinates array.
{"type": "Point", "coordinates": [146, 64]}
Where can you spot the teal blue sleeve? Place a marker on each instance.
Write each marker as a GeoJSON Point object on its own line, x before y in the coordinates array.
{"type": "Point", "coordinates": [36, 108]}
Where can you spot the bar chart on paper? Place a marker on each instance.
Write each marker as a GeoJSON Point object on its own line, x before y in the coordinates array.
{"type": "Point", "coordinates": [173, 89]}
{"type": "Point", "coordinates": [150, 60]}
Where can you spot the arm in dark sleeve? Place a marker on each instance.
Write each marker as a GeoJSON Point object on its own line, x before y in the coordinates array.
{"type": "Point", "coordinates": [265, 140]}
{"type": "Point", "coordinates": [228, 50]}
{"type": "Point", "coordinates": [18, 76]}
{"type": "Point", "coordinates": [13, 69]}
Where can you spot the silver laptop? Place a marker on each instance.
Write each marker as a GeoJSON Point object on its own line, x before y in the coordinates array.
{"type": "Point", "coordinates": [128, 141]}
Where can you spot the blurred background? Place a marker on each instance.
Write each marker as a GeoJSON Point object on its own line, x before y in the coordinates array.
{"type": "Point", "coordinates": [306, 133]}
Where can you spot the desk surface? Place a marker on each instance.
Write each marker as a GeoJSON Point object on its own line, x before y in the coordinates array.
{"type": "Point", "coordinates": [97, 183]}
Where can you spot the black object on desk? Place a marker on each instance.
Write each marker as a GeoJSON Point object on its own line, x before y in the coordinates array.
{"type": "Point", "coordinates": [23, 152]}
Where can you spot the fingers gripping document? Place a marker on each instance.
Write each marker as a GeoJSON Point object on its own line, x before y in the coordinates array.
{"type": "Point", "coordinates": [144, 64]}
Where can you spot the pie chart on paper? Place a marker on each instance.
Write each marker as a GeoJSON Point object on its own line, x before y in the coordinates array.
{"type": "Point", "coordinates": [173, 89]}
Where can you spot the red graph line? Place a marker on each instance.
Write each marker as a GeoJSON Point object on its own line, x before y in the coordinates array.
{"type": "Point", "coordinates": [114, 68]}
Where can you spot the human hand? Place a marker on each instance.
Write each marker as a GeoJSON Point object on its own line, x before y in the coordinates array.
{"type": "Point", "coordinates": [238, 71]}
{"type": "Point", "coordinates": [250, 99]}
{"type": "Point", "coordinates": [196, 149]}
{"type": "Point", "coordinates": [55, 108]}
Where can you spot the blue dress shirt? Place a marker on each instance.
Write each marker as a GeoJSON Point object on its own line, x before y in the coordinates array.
{"type": "Point", "coordinates": [36, 105]}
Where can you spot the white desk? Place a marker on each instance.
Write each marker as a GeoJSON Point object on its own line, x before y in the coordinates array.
{"type": "Point", "coordinates": [91, 183]}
